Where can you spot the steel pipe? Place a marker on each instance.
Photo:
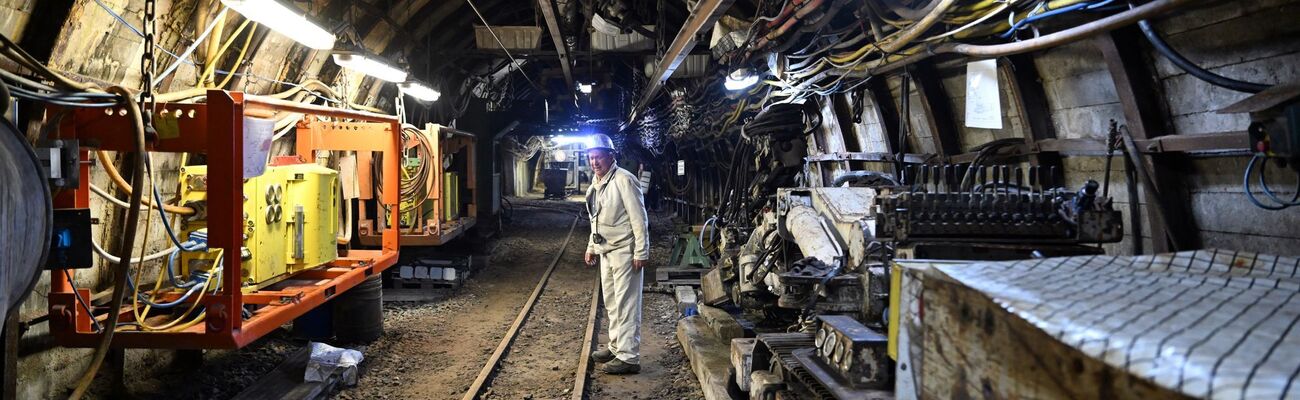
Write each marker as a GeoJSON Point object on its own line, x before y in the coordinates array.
{"type": "Point", "coordinates": [813, 237]}
{"type": "Point", "coordinates": [1107, 24]}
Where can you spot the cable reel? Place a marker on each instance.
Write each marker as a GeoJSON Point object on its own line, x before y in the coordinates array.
{"type": "Point", "coordinates": [26, 217]}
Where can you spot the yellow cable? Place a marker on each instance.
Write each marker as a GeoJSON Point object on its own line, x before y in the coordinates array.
{"type": "Point", "coordinates": [900, 38]}
{"type": "Point", "coordinates": [962, 28]}
{"type": "Point", "coordinates": [121, 184]}
{"type": "Point", "coordinates": [211, 68]}
{"type": "Point", "coordinates": [144, 246]}
{"type": "Point", "coordinates": [242, 51]}
{"type": "Point", "coordinates": [740, 108]}
{"type": "Point", "coordinates": [197, 319]}
{"type": "Point", "coordinates": [202, 314]}
{"type": "Point", "coordinates": [193, 305]}
{"type": "Point", "coordinates": [135, 296]}
{"type": "Point", "coordinates": [157, 287]}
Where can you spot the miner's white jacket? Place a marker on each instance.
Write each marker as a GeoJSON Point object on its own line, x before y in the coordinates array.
{"type": "Point", "coordinates": [618, 214]}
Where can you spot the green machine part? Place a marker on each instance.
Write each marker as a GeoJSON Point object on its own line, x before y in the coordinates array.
{"type": "Point", "coordinates": [291, 217]}
{"type": "Point", "coordinates": [450, 196]}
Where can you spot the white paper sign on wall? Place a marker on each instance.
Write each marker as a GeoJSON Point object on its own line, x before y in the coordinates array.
{"type": "Point", "coordinates": [983, 107]}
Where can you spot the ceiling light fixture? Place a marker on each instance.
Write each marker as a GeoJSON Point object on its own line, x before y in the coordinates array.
{"type": "Point", "coordinates": [369, 66]}
{"type": "Point", "coordinates": [740, 79]}
{"type": "Point", "coordinates": [285, 21]}
{"type": "Point", "coordinates": [419, 91]}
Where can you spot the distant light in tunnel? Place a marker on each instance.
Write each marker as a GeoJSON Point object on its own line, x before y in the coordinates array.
{"type": "Point", "coordinates": [369, 66]}
{"type": "Point", "coordinates": [585, 88]}
{"type": "Point", "coordinates": [285, 21]}
{"type": "Point", "coordinates": [419, 91]}
{"type": "Point", "coordinates": [740, 79]}
{"type": "Point", "coordinates": [585, 140]}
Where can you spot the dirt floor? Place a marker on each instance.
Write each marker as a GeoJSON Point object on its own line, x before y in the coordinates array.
{"type": "Point", "coordinates": [434, 350]}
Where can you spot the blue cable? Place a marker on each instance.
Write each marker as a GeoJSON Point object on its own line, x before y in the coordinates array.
{"type": "Point", "coordinates": [1037, 17]}
{"type": "Point", "coordinates": [190, 245]}
{"type": "Point", "coordinates": [157, 198]}
{"type": "Point", "coordinates": [199, 278]}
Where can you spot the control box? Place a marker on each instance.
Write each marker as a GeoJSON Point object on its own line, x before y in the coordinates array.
{"type": "Point", "coordinates": [291, 217]}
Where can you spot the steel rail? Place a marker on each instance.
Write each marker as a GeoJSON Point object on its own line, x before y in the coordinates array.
{"type": "Point", "coordinates": [588, 340]}
{"type": "Point", "coordinates": [485, 374]}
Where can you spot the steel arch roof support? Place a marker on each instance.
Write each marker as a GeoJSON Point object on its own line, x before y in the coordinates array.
{"type": "Point", "coordinates": [557, 37]}
{"type": "Point", "coordinates": [706, 13]}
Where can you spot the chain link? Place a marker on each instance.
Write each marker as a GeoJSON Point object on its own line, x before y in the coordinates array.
{"type": "Point", "coordinates": [399, 104]}
{"type": "Point", "coordinates": [147, 60]}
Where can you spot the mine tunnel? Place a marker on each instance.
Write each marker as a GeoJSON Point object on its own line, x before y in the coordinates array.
{"type": "Point", "coordinates": [636, 199]}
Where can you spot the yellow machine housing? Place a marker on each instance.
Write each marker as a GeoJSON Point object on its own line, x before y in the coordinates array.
{"type": "Point", "coordinates": [291, 216]}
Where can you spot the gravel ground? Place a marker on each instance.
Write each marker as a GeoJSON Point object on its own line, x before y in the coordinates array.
{"type": "Point", "coordinates": [435, 349]}
{"type": "Point", "coordinates": [223, 374]}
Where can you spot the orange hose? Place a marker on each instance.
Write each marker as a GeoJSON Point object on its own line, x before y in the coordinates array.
{"type": "Point", "coordinates": [116, 177]}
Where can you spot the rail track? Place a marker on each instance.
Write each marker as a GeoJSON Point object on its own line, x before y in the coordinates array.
{"type": "Point", "coordinates": [485, 376]}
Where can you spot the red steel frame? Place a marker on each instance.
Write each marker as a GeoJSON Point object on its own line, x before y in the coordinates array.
{"type": "Point", "coordinates": [433, 231]}
{"type": "Point", "coordinates": [216, 129]}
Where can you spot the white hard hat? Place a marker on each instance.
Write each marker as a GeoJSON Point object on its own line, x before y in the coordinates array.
{"type": "Point", "coordinates": [600, 141]}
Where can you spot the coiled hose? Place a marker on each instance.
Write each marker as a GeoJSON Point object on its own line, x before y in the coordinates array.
{"type": "Point", "coordinates": [26, 216]}
{"type": "Point", "coordinates": [413, 187]}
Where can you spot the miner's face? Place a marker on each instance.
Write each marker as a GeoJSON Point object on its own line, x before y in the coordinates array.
{"type": "Point", "coordinates": [601, 160]}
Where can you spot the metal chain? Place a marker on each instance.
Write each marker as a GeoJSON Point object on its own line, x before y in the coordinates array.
{"type": "Point", "coordinates": [400, 105]}
{"type": "Point", "coordinates": [147, 60]}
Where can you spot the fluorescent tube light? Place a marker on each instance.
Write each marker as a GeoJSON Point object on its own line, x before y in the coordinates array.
{"type": "Point", "coordinates": [369, 66]}
{"type": "Point", "coordinates": [419, 91]}
{"type": "Point", "coordinates": [285, 21]}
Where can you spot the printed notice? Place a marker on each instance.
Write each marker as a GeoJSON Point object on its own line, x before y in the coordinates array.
{"type": "Point", "coordinates": [983, 108]}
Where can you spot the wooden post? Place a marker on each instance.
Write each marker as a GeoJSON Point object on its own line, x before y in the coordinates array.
{"type": "Point", "coordinates": [887, 113]}
{"type": "Point", "coordinates": [938, 110]}
{"type": "Point", "coordinates": [1140, 95]}
{"type": "Point", "coordinates": [1031, 99]}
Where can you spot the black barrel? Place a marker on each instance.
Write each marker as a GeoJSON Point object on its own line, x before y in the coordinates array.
{"type": "Point", "coordinates": [359, 312]}
{"type": "Point", "coordinates": [317, 324]}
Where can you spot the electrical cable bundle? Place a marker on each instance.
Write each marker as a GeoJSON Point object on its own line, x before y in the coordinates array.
{"type": "Point", "coordinates": [982, 154]}
{"type": "Point", "coordinates": [524, 151]}
{"type": "Point", "coordinates": [63, 91]}
{"type": "Point", "coordinates": [414, 184]}
{"type": "Point", "coordinates": [839, 55]}
{"type": "Point", "coordinates": [1278, 203]}
{"type": "Point", "coordinates": [781, 121]}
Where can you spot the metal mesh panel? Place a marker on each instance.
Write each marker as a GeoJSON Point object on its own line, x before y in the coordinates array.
{"type": "Point", "coordinates": [1209, 323]}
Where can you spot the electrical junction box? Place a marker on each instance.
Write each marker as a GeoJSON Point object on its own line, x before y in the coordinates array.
{"type": "Point", "coordinates": [291, 217]}
{"type": "Point", "coordinates": [1274, 122]}
{"type": "Point", "coordinates": [70, 244]}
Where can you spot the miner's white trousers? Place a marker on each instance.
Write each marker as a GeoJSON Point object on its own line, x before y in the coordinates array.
{"type": "Point", "coordinates": [621, 290]}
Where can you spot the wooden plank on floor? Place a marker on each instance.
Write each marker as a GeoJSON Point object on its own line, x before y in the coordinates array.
{"type": "Point", "coordinates": [286, 381]}
{"type": "Point", "coordinates": [710, 358]}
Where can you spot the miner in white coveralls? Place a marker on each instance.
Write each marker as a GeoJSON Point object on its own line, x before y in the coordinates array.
{"type": "Point", "coordinates": [620, 245]}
